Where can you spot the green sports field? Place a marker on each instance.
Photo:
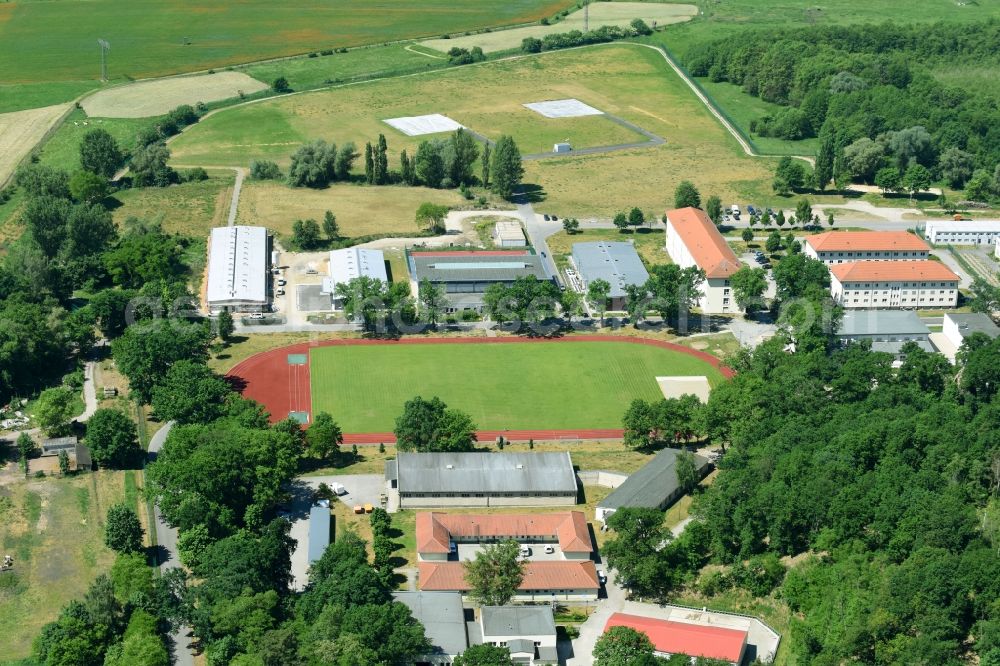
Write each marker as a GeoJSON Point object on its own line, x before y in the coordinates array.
{"type": "Point", "coordinates": [520, 386]}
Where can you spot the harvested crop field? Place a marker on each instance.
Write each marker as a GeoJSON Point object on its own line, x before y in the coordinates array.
{"type": "Point", "coordinates": [601, 13]}
{"type": "Point", "coordinates": [360, 211]}
{"type": "Point", "coordinates": [21, 131]}
{"type": "Point", "coordinates": [154, 98]}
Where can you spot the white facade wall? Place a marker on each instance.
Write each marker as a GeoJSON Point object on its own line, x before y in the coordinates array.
{"type": "Point", "coordinates": [962, 232]}
{"type": "Point", "coordinates": [901, 294]}
{"type": "Point", "coordinates": [716, 296]}
{"type": "Point", "coordinates": [843, 257]}
{"type": "Point", "coordinates": [406, 502]}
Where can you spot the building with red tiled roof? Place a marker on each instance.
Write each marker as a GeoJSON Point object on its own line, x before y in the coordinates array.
{"type": "Point", "coordinates": [693, 240]}
{"type": "Point", "coordinates": [694, 640]}
{"type": "Point", "coordinates": [436, 532]}
{"type": "Point", "coordinates": [894, 284]}
{"type": "Point", "coordinates": [544, 581]}
{"type": "Point", "coordinates": [838, 247]}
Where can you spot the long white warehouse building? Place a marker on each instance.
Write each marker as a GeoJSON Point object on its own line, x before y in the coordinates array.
{"type": "Point", "coordinates": [353, 262]}
{"type": "Point", "coordinates": [962, 232]}
{"type": "Point", "coordinates": [237, 269]}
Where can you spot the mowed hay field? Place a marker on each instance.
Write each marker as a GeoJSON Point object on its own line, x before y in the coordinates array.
{"type": "Point", "coordinates": [54, 530]}
{"type": "Point", "coordinates": [20, 131]}
{"type": "Point", "coordinates": [360, 210]}
{"type": "Point", "coordinates": [521, 386]}
{"type": "Point", "coordinates": [630, 81]}
{"type": "Point", "coordinates": [144, 99]}
{"type": "Point", "coordinates": [601, 14]}
{"type": "Point", "coordinates": [56, 40]}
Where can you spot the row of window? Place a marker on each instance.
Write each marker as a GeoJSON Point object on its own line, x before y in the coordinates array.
{"type": "Point", "coordinates": [896, 285]}
{"type": "Point", "coordinates": [915, 292]}
{"type": "Point", "coordinates": [826, 255]}
{"type": "Point", "coordinates": [905, 300]}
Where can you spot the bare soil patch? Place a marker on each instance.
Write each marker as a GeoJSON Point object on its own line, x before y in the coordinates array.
{"type": "Point", "coordinates": [154, 98]}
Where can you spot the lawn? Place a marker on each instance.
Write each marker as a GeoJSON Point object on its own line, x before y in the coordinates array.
{"type": "Point", "coordinates": [53, 528]}
{"type": "Point", "coordinates": [517, 385]}
{"type": "Point", "coordinates": [629, 81]}
{"type": "Point", "coordinates": [189, 209]}
{"type": "Point", "coordinates": [55, 41]}
{"type": "Point", "coordinates": [62, 150]}
{"type": "Point", "coordinates": [360, 210]}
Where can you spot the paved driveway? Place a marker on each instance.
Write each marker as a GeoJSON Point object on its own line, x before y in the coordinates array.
{"type": "Point", "coordinates": [361, 489]}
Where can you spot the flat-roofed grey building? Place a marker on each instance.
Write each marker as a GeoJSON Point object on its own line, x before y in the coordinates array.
{"type": "Point", "coordinates": [616, 262]}
{"type": "Point", "coordinates": [482, 479]}
{"type": "Point", "coordinates": [444, 622]}
{"type": "Point", "coordinates": [529, 632]}
{"type": "Point", "coordinates": [652, 486]}
{"type": "Point", "coordinates": [319, 531]}
{"type": "Point", "coordinates": [887, 330]}
{"type": "Point", "coordinates": [465, 276]}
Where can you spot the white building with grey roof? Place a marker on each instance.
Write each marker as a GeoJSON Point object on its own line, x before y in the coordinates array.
{"type": "Point", "coordinates": [529, 632]}
{"type": "Point", "coordinates": [466, 275]}
{"type": "Point", "coordinates": [237, 269]}
{"type": "Point", "coordinates": [349, 263]}
{"type": "Point", "coordinates": [427, 480]}
{"type": "Point", "coordinates": [886, 330]}
{"type": "Point", "coordinates": [615, 262]}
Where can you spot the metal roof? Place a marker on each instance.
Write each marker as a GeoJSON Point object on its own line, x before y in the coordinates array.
{"type": "Point", "coordinates": [984, 226]}
{"type": "Point", "coordinates": [616, 262]}
{"type": "Point", "coordinates": [651, 485]}
{"type": "Point", "coordinates": [319, 532]}
{"type": "Point", "coordinates": [352, 262]}
{"type": "Point", "coordinates": [881, 322]}
{"type": "Point", "coordinates": [517, 621]}
{"type": "Point", "coordinates": [896, 347]}
{"type": "Point", "coordinates": [442, 616]}
{"type": "Point", "coordinates": [485, 472]}
{"type": "Point", "coordinates": [974, 323]}
{"type": "Point", "coordinates": [237, 265]}
{"type": "Point", "coordinates": [509, 231]}
{"type": "Point", "coordinates": [466, 268]}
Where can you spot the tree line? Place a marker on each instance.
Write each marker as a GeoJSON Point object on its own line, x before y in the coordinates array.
{"type": "Point", "coordinates": [868, 93]}
{"type": "Point", "coordinates": [437, 163]}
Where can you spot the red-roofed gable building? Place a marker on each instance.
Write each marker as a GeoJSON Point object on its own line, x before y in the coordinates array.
{"type": "Point", "coordinates": [693, 240]}
{"type": "Point", "coordinates": [838, 247]}
{"type": "Point", "coordinates": [694, 640]}
{"type": "Point", "coordinates": [544, 581]}
{"type": "Point", "coordinates": [436, 532]}
{"type": "Point", "coordinates": [894, 284]}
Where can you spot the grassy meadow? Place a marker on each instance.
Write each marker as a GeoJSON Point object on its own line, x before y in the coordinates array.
{"type": "Point", "coordinates": [360, 211]}
{"type": "Point", "coordinates": [629, 81]}
{"type": "Point", "coordinates": [518, 386]}
{"type": "Point", "coordinates": [53, 528]}
{"type": "Point", "coordinates": [56, 40]}
{"type": "Point", "coordinates": [189, 209]}
{"type": "Point", "coordinates": [650, 244]}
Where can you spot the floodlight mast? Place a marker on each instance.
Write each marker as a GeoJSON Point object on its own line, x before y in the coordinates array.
{"type": "Point", "coordinates": [105, 47]}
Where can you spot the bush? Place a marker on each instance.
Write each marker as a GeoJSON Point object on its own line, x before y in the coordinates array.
{"type": "Point", "coordinates": [264, 170]}
{"type": "Point", "coordinates": [326, 52]}
{"type": "Point", "coordinates": [531, 45]}
{"type": "Point", "coordinates": [194, 175]}
{"type": "Point", "coordinates": [280, 84]}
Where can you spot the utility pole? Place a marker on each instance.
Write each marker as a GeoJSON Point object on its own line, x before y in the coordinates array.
{"type": "Point", "coordinates": [586, 16]}
{"type": "Point", "coordinates": [105, 47]}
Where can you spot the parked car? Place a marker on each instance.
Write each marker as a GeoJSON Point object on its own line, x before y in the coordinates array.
{"type": "Point", "coordinates": [276, 271]}
{"type": "Point", "coordinates": [545, 216]}
{"type": "Point", "coordinates": [735, 210]}
{"type": "Point", "coordinates": [525, 551]}
{"type": "Point", "coordinates": [280, 292]}
{"type": "Point", "coordinates": [452, 547]}
{"type": "Point", "coordinates": [751, 210]}
{"type": "Point", "coordinates": [603, 577]}
{"type": "Point", "coordinates": [256, 315]}
{"type": "Point", "coordinates": [555, 218]}
{"type": "Point", "coordinates": [769, 212]}
{"type": "Point", "coordinates": [282, 283]}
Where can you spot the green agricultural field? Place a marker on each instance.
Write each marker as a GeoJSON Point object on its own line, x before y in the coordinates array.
{"type": "Point", "coordinates": [56, 40]}
{"type": "Point", "coordinates": [547, 385]}
{"type": "Point", "coordinates": [632, 82]}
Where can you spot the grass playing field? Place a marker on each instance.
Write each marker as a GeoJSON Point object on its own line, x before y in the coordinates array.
{"type": "Point", "coordinates": [531, 385]}
{"type": "Point", "coordinates": [629, 81]}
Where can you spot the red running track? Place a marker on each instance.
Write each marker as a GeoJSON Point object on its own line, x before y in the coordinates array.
{"type": "Point", "coordinates": [282, 388]}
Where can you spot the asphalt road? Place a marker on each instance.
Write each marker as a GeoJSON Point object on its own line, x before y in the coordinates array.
{"type": "Point", "coordinates": [166, 539]}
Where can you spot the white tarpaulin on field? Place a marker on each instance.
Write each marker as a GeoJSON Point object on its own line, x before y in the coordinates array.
{"type": "Point", "coordinates": [564, 108]}
{"type": "Point", "coordinates": [417, 125]}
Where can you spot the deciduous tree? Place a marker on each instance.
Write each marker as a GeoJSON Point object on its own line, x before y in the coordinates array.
{"type": "Point", "coordinates": [506, 171]}
{"type": "Point", "coordinates": [123, 532]}
{"type": "Point", "coordinates": [495, 574]}
{"type": "Point", "coordinates": [100, 154]}
{"type": "Point", "coordinates": [112, 438]}
{"type": "Point", "coordinates": [686, 195]}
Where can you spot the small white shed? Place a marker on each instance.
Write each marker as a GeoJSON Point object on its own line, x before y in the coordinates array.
{"type": "Point", "coordinates": [562, 148]}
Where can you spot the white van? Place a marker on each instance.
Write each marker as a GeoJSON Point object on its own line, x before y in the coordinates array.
{"type": "Point", "coordinates": [735, 210]}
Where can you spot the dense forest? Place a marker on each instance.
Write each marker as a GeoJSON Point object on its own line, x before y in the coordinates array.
{"type": "Point", "coordinates": [868, 92]}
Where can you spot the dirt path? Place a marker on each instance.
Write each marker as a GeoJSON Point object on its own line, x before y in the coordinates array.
{"type": "Point", "coordinates": [240, 174]}
{"type": "Point", "coordinates": [21, 131]}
